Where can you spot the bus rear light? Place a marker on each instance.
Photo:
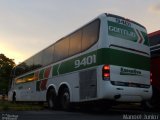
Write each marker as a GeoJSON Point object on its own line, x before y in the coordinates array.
{"type": "Point", "coordinates": [106, 67]}
{"type": "Point", "coordinates": [106, 72]}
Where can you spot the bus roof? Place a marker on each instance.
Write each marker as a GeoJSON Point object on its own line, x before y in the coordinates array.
{"type": "Point", "coordinates": [112, 15]}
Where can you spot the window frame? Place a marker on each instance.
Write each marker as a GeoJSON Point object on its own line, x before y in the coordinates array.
{"type": "Point", "coordinates": [61, 40]}
{"type": "Point", "coordinates": [66, 37]}
{"type": "Point", "coordinates": [70, 42]}
{"type": "Point", "coordinates": [99, 25]}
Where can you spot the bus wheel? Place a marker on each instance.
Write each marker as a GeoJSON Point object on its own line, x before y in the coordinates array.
{"type": "Point", "coordinates": [153, 102]}
{"type": "Point", "coordinates": [148, 105]}
{"type": "Point", "coordinates": [51, 98]}
{"type": "Point", "coordinates": [65, 99]}
{"type": "Point", "coordinates": [14, 98]}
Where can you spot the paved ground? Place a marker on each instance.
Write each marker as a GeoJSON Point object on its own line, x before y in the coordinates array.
{"type": "Point", "coordinates": [112, 114]}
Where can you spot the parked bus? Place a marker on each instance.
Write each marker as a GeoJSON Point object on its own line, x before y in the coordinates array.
{"type": "Point", "coordinates": [154, 39]}
{"type": "Point", "coordinates": [108, 59]}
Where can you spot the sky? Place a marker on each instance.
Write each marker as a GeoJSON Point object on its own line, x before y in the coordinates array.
{"type": "Point", "coordinates": [28, 26]}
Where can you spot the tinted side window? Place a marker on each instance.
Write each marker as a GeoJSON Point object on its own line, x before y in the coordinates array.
{"type": "Point", "coordinates": [48, 55]}
{"type": "Point", "coordinates": [90, 34]}
{"type": "Point", "coordinates": [19, 70]}
{"type": "Point", "coordinates": [37, 60]}
{"type": "Point", "coordinates": [29, 64]}
{"type": "Point", "coordinates": [28, 78]}
{"type": "Point", "coordinates": [75, 43]}
{"type": "Point", "coordinates": [61, 49]}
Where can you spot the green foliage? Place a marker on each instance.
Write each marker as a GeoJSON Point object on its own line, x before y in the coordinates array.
{"type": "Point", "coordinates": [5, 105]}
{"type": "Point", "coordinates": [6, 65]}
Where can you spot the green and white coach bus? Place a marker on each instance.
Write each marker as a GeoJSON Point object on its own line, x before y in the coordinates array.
{"type": "Point", "coordinates": [108, 59]}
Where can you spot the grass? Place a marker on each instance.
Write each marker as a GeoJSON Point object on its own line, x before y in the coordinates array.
{"type": "Point", "coordinates": [8, 106]}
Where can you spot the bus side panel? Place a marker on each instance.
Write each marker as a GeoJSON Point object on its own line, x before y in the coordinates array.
{"type": "Point", "coordinates": [71, 80]}
{"type": "Point", "coordinates": [25, 91]}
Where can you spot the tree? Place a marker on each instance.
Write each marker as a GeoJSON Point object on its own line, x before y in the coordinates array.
{"type": "Point", "coordinates": [6, 65]}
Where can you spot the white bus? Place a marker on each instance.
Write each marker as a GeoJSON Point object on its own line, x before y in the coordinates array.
{"type": "Point", "coordinates": [108, 59]}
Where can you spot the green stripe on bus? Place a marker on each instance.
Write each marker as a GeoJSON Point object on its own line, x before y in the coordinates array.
{"type": "Point", "coordinates": [41, 74]}
{"type": "Point", "coordinates": [55, 69]}
{"type": "Point", "coordinates": [122, 31]}
{"type": "Point", "coordinates": [105, 56]}
{"type": "Point", "coordinates": [69, 66]}
{"type": "Point", "coordinates": [145, 36]}
{"type": "Point", "coordinates": [122, 58]}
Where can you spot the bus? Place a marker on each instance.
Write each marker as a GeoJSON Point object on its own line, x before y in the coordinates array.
{"type": "Point", "coordinates": [154, 39]}
{"type": "Point", "coordinates": [107, 59]}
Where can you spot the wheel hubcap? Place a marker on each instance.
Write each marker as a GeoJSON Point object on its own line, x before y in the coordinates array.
{"type": "Point", "coordinates": [66, 99]}
{"type": "Point", "coordinates": [50, 103]}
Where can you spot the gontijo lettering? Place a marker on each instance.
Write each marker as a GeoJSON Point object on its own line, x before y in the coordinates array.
{"type": "Point", "coordinates": [122, 31]}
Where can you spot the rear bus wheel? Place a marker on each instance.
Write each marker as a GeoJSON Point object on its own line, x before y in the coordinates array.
{"type": "Point", "coordinates": [51, 99]}
{"type": "Point", "coordinates": [65, 99]}
{"type": "Point", "coordinates": [14, 98]}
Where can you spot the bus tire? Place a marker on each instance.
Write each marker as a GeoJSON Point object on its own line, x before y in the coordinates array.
{"type": "Point", "coordinates": [153, 102]}
{"type": "Point", "coordinates": [65, 99]}
{"type": "Point", "coordinates": [51, 99]}
{"type": "Point", "coordinates": [147, 105]}
{"type": "Point", "coordinates": [14, 98]}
